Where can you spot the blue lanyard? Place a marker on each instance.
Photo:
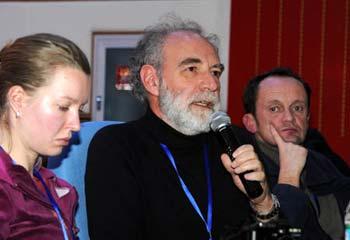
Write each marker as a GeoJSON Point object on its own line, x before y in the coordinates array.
{"type": "Point", "coordinates": [209, 221]}
{"type": "Point", "coordinates": [53, 203]}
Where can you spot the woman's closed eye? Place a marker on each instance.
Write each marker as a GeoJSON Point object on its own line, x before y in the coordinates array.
{"type": "Point", "coordinates": [63, 108]}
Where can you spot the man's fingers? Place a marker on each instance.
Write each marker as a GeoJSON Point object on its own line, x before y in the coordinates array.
{"type": "Point", "coordinates": [243, 148]}
{"type": "Point", "coordinates": [276, 136]}
{"type": "Point", "coordinates": [255, 176]}
{"type": "Point", "coordinates": [250, 165]}
{"type": "Point", "coordinates": [226, 161]}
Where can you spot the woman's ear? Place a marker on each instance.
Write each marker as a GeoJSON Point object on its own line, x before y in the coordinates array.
{"type": "Point", "coordinates": [249, 122]}
{"type": "Point", "coordinates": [15, 97]}
{"type": "Point", "coordinates": [150, 79]}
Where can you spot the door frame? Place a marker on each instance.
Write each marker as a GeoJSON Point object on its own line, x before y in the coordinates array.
{"type": "Point", "coordinates": [101, 41]}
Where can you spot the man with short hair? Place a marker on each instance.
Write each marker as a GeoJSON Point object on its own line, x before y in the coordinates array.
{"type": "Point", "coordinates": [312, 193]}
{"type": "Point", "coordinates": [161, 177]}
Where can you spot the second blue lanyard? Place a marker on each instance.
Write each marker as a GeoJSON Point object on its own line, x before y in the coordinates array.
{"type": "Point", "coordinates": [209, 220]}
{"type": "Point", "coordinates": [53, 203]}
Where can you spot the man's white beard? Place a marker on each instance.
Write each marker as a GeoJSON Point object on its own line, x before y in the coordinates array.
{"type": "Point", "coordinates": [180, 115]}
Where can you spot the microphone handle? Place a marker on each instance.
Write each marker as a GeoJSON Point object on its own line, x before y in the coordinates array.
{"type": "Point", "coordinates": [253, 188]}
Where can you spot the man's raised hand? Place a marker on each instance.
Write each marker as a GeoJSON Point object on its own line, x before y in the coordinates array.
{"type": "Point", "coordinates": [292, 158]}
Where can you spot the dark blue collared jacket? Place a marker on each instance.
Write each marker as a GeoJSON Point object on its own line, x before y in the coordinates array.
{"type": "Point", "coordinates": [322, 178]}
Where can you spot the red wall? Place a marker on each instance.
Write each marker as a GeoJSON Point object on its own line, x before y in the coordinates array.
{"type": "Point", "coordinates": [311, 37]}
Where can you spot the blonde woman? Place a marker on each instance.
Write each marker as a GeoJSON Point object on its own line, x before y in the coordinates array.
{"type": "Point", "coordinates": [44, 82]}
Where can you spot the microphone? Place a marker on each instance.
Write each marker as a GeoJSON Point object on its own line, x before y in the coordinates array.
{"type": "Point", "coordinates": [220, 123]}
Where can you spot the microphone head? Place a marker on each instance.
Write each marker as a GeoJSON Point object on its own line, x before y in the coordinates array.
{"type": "Point", "coordinates": [218, 120]}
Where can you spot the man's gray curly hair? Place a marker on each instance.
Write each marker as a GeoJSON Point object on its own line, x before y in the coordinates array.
{"type": "Point", "coordinates": [150, 48]}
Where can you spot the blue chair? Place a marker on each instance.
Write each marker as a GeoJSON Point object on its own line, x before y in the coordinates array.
{"type": "Point", "coordinates": [70, 165]}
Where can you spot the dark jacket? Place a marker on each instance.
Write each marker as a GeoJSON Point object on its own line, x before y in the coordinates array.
{"type": "Point", "coordinates": [315, 141]}
{"type": "Point", "coordinates": [322, 178]}
{"type": "Point", "coordinates": [25, 212]}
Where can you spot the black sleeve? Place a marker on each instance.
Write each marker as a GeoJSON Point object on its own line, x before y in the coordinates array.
{"type": "Point", "coordinates": [315, 141]}
{"type": "Point", "coordinates": [297, 209]}
{"type": "Point", "coordinates": [112, 192]}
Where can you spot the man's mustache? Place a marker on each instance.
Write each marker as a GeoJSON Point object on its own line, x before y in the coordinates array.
{"type": "Point", "coordinates": [205, 97]}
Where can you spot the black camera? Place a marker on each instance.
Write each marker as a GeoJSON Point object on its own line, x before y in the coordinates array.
{"type": "Point", "coordinates": [274, 230]}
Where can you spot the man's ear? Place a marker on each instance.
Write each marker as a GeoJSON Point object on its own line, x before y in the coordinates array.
{"type": "Point", "coordinates": [16, 97]}
{"type": "Point", "coordinates": [249, 122]}
{"type": "Point", "coordinates": [150, 79]}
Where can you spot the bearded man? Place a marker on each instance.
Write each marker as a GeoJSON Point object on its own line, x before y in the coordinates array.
{"type": "Point", "coordinates": [161, 177]}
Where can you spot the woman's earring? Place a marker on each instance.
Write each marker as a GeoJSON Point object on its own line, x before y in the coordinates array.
{"type": "Point", "coordinates": [18, 114]}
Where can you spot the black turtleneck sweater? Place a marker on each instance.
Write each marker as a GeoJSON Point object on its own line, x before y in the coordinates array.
{"type": "Point", "coordinates": [133, 191]}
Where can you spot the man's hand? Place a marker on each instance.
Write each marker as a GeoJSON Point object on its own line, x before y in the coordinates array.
{"type": "Point", "coordinates": [292, 158]}
{"type": "Point", "coordinates": [247, 160]}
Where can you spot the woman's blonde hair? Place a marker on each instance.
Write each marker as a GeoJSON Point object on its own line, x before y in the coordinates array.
{"type": "Point", "coordinates": [29, 61]}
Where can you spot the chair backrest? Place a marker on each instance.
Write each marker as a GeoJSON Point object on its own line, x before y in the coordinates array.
{"type": "Point", "coordinates": [70, 165]}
